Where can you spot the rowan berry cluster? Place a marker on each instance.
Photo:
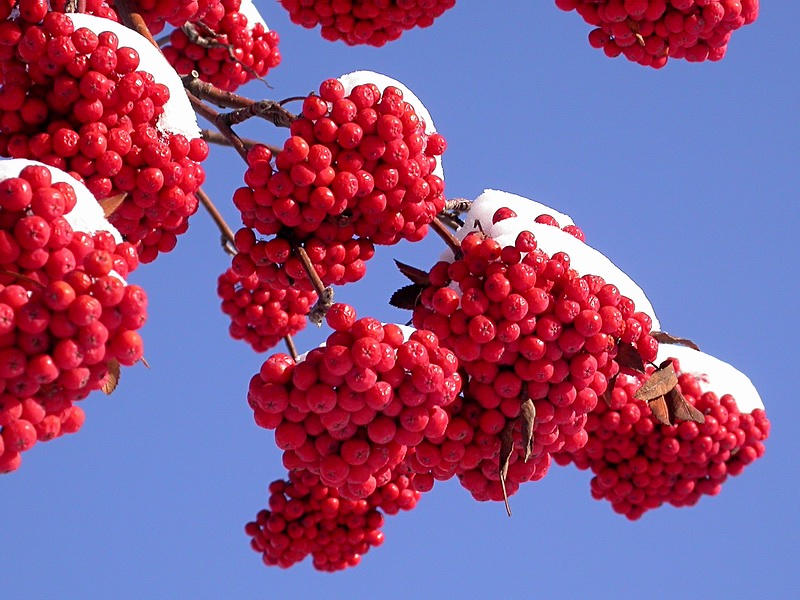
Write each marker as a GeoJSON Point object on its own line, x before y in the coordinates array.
{"type": "Point", "coordinates": [639, 464]}
{"type": "Point", "coordinates": [307, 518]}
{"type": "Point", "coordinates": [227, 48]}
{"type": "Point", "coordinates": [349, 411]}
{"type": "Point", "coordinates": [358, 170]}
{"type": "Point", "coordinates": [66, 313]}
{"type": "Point", "coordinates": [261, 315]}
{"type": "Point", "coordinates": [372, 22]}
{"type": "Point", "coordinates": [650, 32]}
{"type": "Point", "coordinates": [525, 327]}
{"type": "Point", "coordinates": [75, 100]}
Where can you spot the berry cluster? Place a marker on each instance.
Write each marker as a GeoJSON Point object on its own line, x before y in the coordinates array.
{"type": "Point", "coordinates": [372, 22]}
{"type": "Point", "coordinates": [261, 315]}
{"type": "Point", "coordinates": [350, 410]}
{"type": "Point", "coordinates": [307, 518]}
{"type": "Point", "coordinates": [97, 8]}
{"type": "Point", "coordinates": [74, 99]}
{"type": "Point", "coordinates": [227, 49]}
{"type": "Point", "coordinates": [358, 170]}
{"type": "Point", "coordinates": [651, 31]}
{"type": "Point", "coordinates": [529, 331]}
{"type": "Point", "coordinates": [66, 313]}
{"type": "Point", "coordinates": [640, 464]}
{"type": "Point", "coordinates": [158, 13]}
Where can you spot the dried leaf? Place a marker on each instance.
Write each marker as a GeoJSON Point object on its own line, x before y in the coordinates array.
{"type": "Point", "coordinates": [21, 277]}
{"type": "Point", "coordinates": [610, 388]}
{"type": "Point", "coordinates": [628, 357]}
{"type": "Point", "coordinates": [111, 204]}
{"type": "Point", "coordinates": [660, 411]}
{"type": "Point", "coordinates": [406, 297]}
{"type": "Point", "coordinates": [680, 408]}
{"type": "Point", "coordinates": [112, 378]}
{"type": "Point", "coordinates": [527, 414]}
{"type": "Point", "coordinates": [662, 337]}
{"type": "Point", "coordinates": [416, 275]}
{"type": "Point", "coordinates": [660, 382]}
{"type": "Point", "coordinates": [506, 448]}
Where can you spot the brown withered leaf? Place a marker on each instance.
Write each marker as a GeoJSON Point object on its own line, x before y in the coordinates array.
{"type": "Point", "coordinates": [659, 383]}
{"type": "Point", "coordinates": [660, 410]}
{"type": "Point", "coordinates": [111, 204]}
{"type": "Point", "coordinates": [527, 415]}
{"type": "Point", "coordinates": [416, 275]}
{"type": "Point", "coordinates": [610, 388]}
{"type": "Point", "coordinates": [21, 277]}
{"type": "Point", "coordinates": [680, 408]}
{"type": "Point", "coordinates": [662, 337]}
{"type": "Point", "coordinates": [506, 449]}
{"type": "Point", "coordinates": [406, 297]}
{"type": "Point", "coordinates": [112, 379]}
{"type": "Point", "coordinates": [628, 357]}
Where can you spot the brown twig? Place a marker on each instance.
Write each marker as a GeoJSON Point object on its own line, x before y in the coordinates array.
{"type": "Point", "coordinates": [163, 40]}
{"type": "Point", "coordinates": [133, 20]}
{"type": "Point", "coordinates": [324, 294]}
{"type": "Point", "coordinates": [291, 347]}
{"type": "Point", "coordinates": [215, 137]}
{"type": "Point", "coordinates": [211, 93]}
{"type": "Point", "coordinates": [457, 205]}
{"type": "Point", "coordinates": [443, 232]}
{"type": "Point", "coordinates": [226, 233]}
{"type": "Point", "coordinates": [268, 110]}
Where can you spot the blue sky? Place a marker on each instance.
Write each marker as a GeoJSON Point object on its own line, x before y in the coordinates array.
{"type": "Point", "coordinates": [687, 177]}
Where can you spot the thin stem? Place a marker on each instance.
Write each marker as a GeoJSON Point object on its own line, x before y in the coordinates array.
{"type": "Point", "coordinates": [226, 233]}
{"type": "Point", "coordinates": [215, 137]}
{"type": "Point", "coordinates": [163, 40]}
{"type": "Point", "coordinates": [218, 120]}
{"type": "Point", "coordinates": [211, 93]}
{"type": "Point", "coordinates": [291, 347]}
{"type": "Point", "coordinates": [457, 205]}
{"type": "Point", "coordinates": [268, 110]}
{"type": "Point", "coordinates": [324, 294]}
{"type": "Point", "coordinates": [443, 232]}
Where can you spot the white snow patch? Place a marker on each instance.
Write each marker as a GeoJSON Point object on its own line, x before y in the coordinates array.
{"type": "Point", "coordinates": [714, 375]}
{"type": "Point", "coordinates": [87, 216]}
{"type": "Point", "coordinates": [583, 258]}
{"type": "Point", "coordinates": [249, 10]}
{"type": "Point", "coordinates": [485, 205]}
{"type": "Point", "coordinates": [351, 80]}
{"type": "Point", "coordinates": [178, 117]}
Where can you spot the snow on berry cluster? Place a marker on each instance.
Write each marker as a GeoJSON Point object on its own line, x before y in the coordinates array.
{"type": "Point", "coordinates": [537, 334]}
{"type": "Point", "coordinates": [227, 48]}
{"type": "Point", "coordinates": [350, 410]}
{"type": "Point", "coordinates": [372, 22]}
{"type": "Point", "coordinates": [84, 102]}
{"type": "Point", "coordinates": [261, 315]}
{"type": "Point", "coordinates": [639, 464]}
{"type": "Point", "coordinates": [650, 32]}
{"type": "Point", "coordinates": [66, 312]}
{"type": "Point", "coordinates": [306, 518]}
{"type": "Point", "coordinates": [359, 169]}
